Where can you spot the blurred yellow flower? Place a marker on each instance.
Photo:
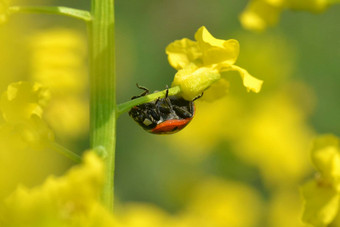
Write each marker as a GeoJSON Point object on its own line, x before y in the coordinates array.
{"type": "Point", "coordinates": [212, 124]}
{"type": "Point", "coordinates": [284, 209]}
{"type": "Point", "coordinates": [22, 100]}
{"type": "Point", "coordinates": [275, 138]}
{"type": "Point", "coordinates": [142, 215]}
{"type": "Point", "coordinates": [213, 202]}
{"type": "Point", "coordinates": [326, 158]}
{"type": "Point", "coordinates": [21, 106]}
{"type": "Point", "coordinates": [32, 133]}
{"type": "Point", "coordinates": [24, 137]}
{"type": "Point", "coordinates": [219, 203]}
{"type": "Point", "coordinates": [70, 200]}
{"type": "Point", "coordinates": [201, 62]}
{"type": "Point", "coordinates": [59, 63]}
{"type": "Point", "coordinates": [270, 134]}
{"type": "Point", "coordinates": [321, 203]}
{"type": "Point", "coordinates": [4, 4]}
{"type": "Point", "coordinates": [260, 14]}
{"type": "Point", "coordinates": [321, 195]}
{"type": "Point", "coordinates": [276, 62]}
{"type": "Point", "coordinates": [68, 117]}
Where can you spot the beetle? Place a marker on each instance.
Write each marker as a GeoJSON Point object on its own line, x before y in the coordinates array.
{"type": "Point", "coordinates": [166, 115]}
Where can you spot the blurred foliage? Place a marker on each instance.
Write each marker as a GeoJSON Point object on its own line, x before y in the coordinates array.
{"type": "Point", "coordinates": [238, 163]}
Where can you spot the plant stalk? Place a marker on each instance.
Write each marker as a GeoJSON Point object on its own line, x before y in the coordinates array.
{"type": "Point", "coordinates": [103, 90]}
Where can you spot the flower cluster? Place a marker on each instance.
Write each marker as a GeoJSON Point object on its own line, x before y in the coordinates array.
{"type": "Point", "coordinates": [201, 63]}
{"type": "Point", "coordinates": [70, 200]}
{"type": "Point", "coordinates": [24, 135]}
{"type": "Point", "coordinates": [321, 195]}
{"type": "Point", "coordinates": [22, 107]}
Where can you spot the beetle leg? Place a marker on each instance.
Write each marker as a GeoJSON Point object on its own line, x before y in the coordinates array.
{"type": "Point", "coordinates": [182, 112]}
{"type": "Point", "coordinates": [167, 100]}
{"type": "Point", "coordinates": [146, 91]}
{"type": "Point", "coordinates": [157, 106]}
{"type": "Point", "coordinates": [157, 100]}
{"type": "Point", "coordinates": [167, 91]}
{"type": "Point", "coordinates": [155, 115]}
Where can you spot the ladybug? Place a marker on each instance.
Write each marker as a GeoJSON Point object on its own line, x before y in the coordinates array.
{"type": "Point", "coordinates": [166, 115]}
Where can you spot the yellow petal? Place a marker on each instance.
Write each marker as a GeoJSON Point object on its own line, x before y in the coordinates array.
{"type": "Point", "coordinates": [326, 157]}
{"type": "Point", "coordinates": [182, 52]}
{"type": "Point", "coordinates": [22, 100]}
{"type": "Point", "coordinates": [193, 81]}
{"type": "Point", "coordinates": [321, 203]}
{"type": "Point", "coordinates": [250, 82]}
{"type": "Point", "coordinates": [216, 50]}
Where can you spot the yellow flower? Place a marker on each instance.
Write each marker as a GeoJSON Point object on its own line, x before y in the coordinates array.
{"type": "Point", "coordinates": [22, 107]}
{"type": "Point", "coordinates": [24, 157]}
{"type": "Point", "coordinates": [25, 138]}
{"type": "Point", "coordinates": [260, 14]}
{"type": "Point", "coordinates": [201, 62]}
{"type": "Point", "coordinates": [326, 158]}
{"type": "Point", "coordinates": [22, 100]}
{"type": "Point", "coordinates": [32, 133]}
{"type": "Point", "coordinates": [4, 4]}
{"type": "Point", "coordinates": [218, 203]}
{"type": "Point", "coordinates": [70, 200]}
{"type": "Point", "coordinates": [321, 203]}
{"type": "Point", "coordinates": [321, 195]}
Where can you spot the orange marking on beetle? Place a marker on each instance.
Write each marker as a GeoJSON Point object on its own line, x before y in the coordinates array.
{"type": "Point", "coordinates": [170, 126]}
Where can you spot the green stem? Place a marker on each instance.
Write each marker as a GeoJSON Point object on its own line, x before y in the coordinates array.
{"type": "Point", "coordinates": [58, 10]}
{"type": "Point", "coordinates": [64, 151]}
{"type": "Point", "coordinates": [123, 107]}
{"type": "Point", "coordinates": [103, 90]}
